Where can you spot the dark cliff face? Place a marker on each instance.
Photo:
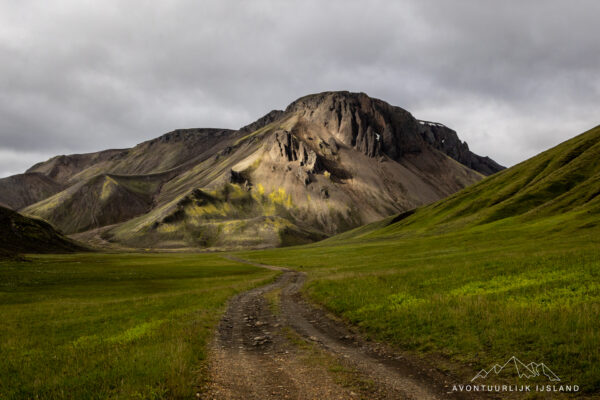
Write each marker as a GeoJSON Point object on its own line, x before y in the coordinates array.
{"type": "Point", "coordinates": [296, 154]}
{"type": "Point", "coordinates": [375, 127]}
{"type": "Point", "coordinates": [446, 140]}
{"type": "Point", "coordinates": [368, 125]}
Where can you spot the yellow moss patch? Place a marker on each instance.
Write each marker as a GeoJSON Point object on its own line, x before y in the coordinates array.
{"type": "Point", "coordinates": [202, 211]}
{"type": "Point", "coordinates": [279, 196]}
{"type": "Point", "coordinates": [278, 223]}
{"type": "Point", "coordinates": [276, 198]}
{"type": "Point", "coordinates": [236, 191]}
{"type": "Point", "coordinates": [167, 228]}
{"type": "Point", "coordinates": [108, 187]}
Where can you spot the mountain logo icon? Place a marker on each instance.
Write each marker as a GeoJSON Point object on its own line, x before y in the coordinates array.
{"type": "Point", "coordinates": [522, 370]}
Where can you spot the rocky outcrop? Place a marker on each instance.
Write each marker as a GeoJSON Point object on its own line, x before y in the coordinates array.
{"type": "Point", "coordinates": [241, 178]}
{"type": "Point", "coordinates": [368, 125]}
{"type": "Point", "coordinates": [446, 140]}
{"type": "Point", "coordinates": [375, 128]}
{"type": "Point", "coordinates": [286, 146]}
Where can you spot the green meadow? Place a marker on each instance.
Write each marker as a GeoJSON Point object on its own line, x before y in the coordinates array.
{"type": "Point", "coordinates": [97, 326]}
{"type": "Point", "coordinates": [471, 299]}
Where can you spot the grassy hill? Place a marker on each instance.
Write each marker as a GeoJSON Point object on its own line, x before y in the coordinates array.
{"type": "Point", "coordinates": [29, 235]}
{"type": "Point", "coordinates": [509, 266]}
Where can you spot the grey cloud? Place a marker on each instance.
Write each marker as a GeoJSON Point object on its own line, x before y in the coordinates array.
{"type": "Point", "coordinates": [511, 77]}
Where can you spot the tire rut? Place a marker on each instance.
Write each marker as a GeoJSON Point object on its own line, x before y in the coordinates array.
{"type": "Point", "coordinates": [253, 358]}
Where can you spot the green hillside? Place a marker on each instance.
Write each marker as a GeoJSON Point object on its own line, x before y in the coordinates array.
{"type": "Point", "coordinates": [20, 234]}
{"type": "Point", "coordinates": [561, 184]}
{"type": "Point", "coordinates": [509, 266]}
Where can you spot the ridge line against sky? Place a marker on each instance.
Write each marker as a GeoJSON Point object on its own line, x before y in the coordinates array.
{"type": "Point", "coordinates": [512, 78]}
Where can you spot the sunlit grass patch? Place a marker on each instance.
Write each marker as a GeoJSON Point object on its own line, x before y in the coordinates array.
{"type": "Point", "coordinates": [474, 297]}
{"type": "Point", "coordinates": [112, 326]}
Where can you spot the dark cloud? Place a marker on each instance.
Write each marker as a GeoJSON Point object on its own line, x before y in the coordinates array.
{"type": "Point", "coordinates": [513, 78]}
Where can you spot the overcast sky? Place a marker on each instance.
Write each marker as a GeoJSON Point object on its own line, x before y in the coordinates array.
{"type": "Point", "coordinates": [511, 77]}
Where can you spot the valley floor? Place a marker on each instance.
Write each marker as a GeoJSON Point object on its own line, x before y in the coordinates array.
{"type": "Point", "coordinates": [467, 300]}
{"type": "Point", "coordinates": [412, 316]}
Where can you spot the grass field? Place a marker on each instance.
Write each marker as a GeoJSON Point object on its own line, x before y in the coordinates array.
{"type": "Point", "coordinates": [509, 266]}
{"type": "Point", "coordinates": [97, 326]}
{"type": "Point", "coordinates": [475, 298]}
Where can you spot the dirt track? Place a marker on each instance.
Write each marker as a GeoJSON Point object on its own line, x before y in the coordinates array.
{"type": "Point", "coordinates": [291, 350]}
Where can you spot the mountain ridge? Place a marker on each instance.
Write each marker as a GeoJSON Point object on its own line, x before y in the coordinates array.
{"type": "Point", "coordinates": [329, 162]}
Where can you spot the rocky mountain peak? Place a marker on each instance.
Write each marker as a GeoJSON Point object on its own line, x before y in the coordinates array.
{"type": "Point", "coordinates": [376, 128]}
{"type": "Point", "coordinates": [366, 124]}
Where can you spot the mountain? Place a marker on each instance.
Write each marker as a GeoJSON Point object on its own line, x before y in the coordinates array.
{"type": "Point", "coordinates": [559, 188]}
{"type": "Point", "coordinates": [327, 163]}
{"type": "Point", "coordinates": [29, 235]}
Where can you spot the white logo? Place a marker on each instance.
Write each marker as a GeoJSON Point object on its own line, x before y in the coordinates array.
{"type": "Point", "coordinates": [523, 370]}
